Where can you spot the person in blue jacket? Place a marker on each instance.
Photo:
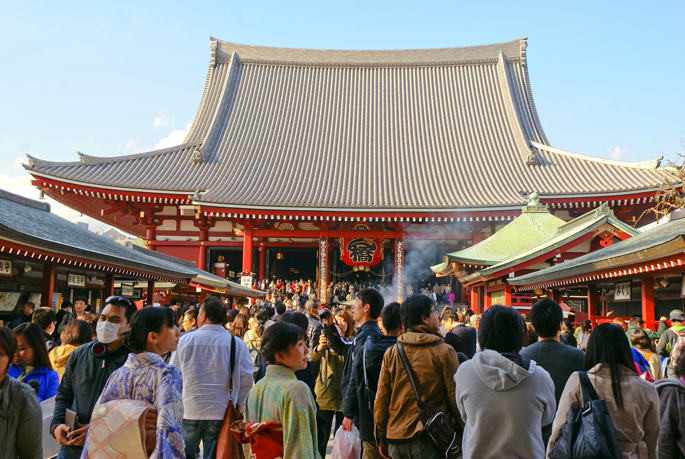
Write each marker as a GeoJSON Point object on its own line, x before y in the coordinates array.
{"type": "Point", "coordinates": [31, 362]}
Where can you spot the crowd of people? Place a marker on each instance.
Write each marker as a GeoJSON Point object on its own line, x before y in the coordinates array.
{"type": "Point", "coordinates": [294, 293]}
{"type": "Point", "coordinates": [504, 384]}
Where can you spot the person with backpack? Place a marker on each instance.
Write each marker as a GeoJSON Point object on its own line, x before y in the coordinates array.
{"type": "Point", "coordinates": [372, 360]}
{"type": "Point", "coordinates": [670, 338]}
{"type": "Point", "coordinates": [641, 342]}
{"type": "Point", "coordinates": [432, 364]}
{"type": "Point", "coordinates": [632, 402]}
{"type": "Point", "coordinates": [671, 443]}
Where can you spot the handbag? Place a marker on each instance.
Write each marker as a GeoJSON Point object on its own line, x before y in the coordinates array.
{"type": "Point", "coordinates": [589, 431]}
{"type": "Point", "coordinates": [227, 446]}
{"type": "Point", "coordinates": [435, 422]}
{"type": "Point", "coordinates": [119, 427]}
{"type": "Point", "coordinates": [265, 438]}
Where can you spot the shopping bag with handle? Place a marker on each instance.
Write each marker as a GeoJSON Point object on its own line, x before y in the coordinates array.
{"type": "Point", "coordinates": [347, 444]}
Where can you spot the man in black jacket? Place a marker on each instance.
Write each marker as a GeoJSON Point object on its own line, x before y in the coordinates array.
{"type": "Point", "coordinates": [313, 330]}
{"type": "Point", "coordinates": [372, 361]}
{"type": "Point", "coordinates": [86, 373]}
{"type": "Point", "coordinates": [462, 338]}
{"type": "Point", "coordinates": [355, 408]}
{"type": "Point", "coordinates": [560, 360]}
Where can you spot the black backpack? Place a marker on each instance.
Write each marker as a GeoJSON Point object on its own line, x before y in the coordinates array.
{"type": "Point", "coordinates": [372, 359]}
{"type": "Point", "coordinates": [589, 432]}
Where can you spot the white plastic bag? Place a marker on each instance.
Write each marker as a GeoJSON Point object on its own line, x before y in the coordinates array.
{"type": "Point", "coordinates": [346, 444]}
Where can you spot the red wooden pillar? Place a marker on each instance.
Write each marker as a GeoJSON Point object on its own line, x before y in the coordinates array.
{"type": "Point", "coordinates": [323, 264]}
{"type": "Point", "coordinates": [48, 287]}
{"type": "Point", "coordinates": [202, 257]}
{"type": "Point", "coordinates": [592, 298]}
{"type": "Point", "coordinates": [477, 236]}
{"type": "Point", "coordinates": [473, 299]}
{"type": "Point", "coordinates": [202, 250]}
{"type": "Point", "coordinates": [556, 295]}
{"type": "Point", "coordinates": [247, 248]}
{"type": "Point", "coordinates": [202, 297]}
{"type": "Point", "coordinates": [150, 293]}
{"type": "Point", "coordinates": [399, 265]}
{"type": "Point", "coordinates": [262, 262]}
{"type": "Point", "coordinates": [487, 301]}
{"type": "Point", "coordinates": [150, 235]}
{"type": "Point", "coordinates": [648, 312]}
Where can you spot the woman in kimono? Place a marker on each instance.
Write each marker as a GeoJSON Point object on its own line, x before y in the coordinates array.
{"type": "Point", "coordinates": [279, 397]}
{"type": "Point", "coordinates": [146, 378]}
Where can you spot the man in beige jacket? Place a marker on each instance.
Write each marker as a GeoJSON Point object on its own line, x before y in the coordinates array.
{"type": "Point", "coordinates": [433, 363]}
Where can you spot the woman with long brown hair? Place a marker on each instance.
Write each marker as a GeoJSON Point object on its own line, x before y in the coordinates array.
{"type": "Point", "coordinates": [240, 326]}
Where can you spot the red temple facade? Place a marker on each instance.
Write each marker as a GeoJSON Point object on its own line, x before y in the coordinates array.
{"type": "Point", "coordinates": [404, 154]}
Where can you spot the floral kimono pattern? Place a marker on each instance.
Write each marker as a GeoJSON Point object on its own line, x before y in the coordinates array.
{"type": "Point", "coordinates": [147, 378]}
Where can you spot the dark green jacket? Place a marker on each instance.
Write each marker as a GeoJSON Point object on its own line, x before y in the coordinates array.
{"type": "Point", "coordinates": [328, 393]}
{"type": "Point", "coordinates": [653, 335]}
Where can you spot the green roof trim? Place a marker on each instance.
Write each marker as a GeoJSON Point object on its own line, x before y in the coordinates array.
{"type": "Point", "coordinates": [564, 234]}
{"type": "Point", "coordinates": [441, 267]}
{"type": "Point", "coordinates": [535, 224]}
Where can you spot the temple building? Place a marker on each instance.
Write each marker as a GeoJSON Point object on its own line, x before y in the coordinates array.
{"type": "Point", "coordinates": [641, 275]}
{"type": "Point", "coordinates": [534, 241]}
{"type": "Point", "coordinates": [333, 165]}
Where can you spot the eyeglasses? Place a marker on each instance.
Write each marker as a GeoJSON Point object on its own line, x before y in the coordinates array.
{"type": "Point", "coordinates": [111, 299]}
{"type": "Point", "coordinates": [435, 310]}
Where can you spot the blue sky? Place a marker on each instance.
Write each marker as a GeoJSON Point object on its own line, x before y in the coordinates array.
{"type": "Point", "coordinates": [114, 78]}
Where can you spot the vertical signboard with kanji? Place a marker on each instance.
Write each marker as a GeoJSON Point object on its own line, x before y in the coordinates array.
{"type": "Point", "coordinates": [323, 269]}
{"type": "Point", "coordinates": [399, 270]}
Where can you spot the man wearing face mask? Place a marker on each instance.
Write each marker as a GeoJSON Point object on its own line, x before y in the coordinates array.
{"type": "Point", "coordinates": [86, 373]}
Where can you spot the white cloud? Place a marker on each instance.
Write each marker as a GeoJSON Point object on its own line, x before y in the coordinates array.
{"type": "Point", "coordinates": [617, 153]}
{"type": "Point", "coordinates": [162, 120]}
{"type": "Point", "coordinates": [16, 164]}
{"type": "Point", "coordinates": [175, 138]}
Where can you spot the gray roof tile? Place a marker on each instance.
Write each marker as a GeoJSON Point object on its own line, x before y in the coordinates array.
{"type": "Point", "coordinates": [404, 129]}
{"type": "Point", "coordinates": [29, 222]}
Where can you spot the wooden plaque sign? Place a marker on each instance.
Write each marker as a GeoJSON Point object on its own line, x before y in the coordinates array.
{"type": "Point", "coordinates": [622, 292]}
{"type": "Point", "coordinates": [76, 280]}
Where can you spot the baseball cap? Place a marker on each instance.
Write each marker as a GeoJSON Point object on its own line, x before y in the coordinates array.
{"type": "Point", "coordinates": [676, 314]}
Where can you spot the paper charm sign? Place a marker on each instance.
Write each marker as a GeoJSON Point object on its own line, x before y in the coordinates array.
{"type": "Point", "coordinates": [361, 251]}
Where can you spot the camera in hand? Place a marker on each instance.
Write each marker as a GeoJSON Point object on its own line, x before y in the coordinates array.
{"type": "Point", "coordinates": [324, 314]}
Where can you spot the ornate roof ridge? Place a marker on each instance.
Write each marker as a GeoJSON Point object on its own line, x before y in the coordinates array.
{"type": "Point", "coordinates": [87, 159]}
{"type": "Point", "coordinates": [221, 50]}
{"type": "Point", "coordinates": [650, 164]}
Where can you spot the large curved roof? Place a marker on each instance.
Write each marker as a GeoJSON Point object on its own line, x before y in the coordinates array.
{"type": "Point", "coordinates": [447, 129]}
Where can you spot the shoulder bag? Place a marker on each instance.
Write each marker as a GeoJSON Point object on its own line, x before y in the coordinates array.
{"type": "Point", "coordinates": [589, 431]}
{"type": "Point", "coordinates": [227, 446]}
{"type": "Point", "coordinates": [435, 422]}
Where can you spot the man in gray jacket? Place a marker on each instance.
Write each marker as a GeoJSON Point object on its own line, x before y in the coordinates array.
{"type": "Point", "coordinates": [504, 399]}
{"type": "Point", "coordinates": [560, 360]}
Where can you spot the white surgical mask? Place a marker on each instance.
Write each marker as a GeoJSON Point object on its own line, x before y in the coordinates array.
{"type": "Point", "coordinates": [107, 332]}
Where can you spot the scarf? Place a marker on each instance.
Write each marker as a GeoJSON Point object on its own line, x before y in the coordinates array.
{"type": "Point", "coordinates": [517, 359]}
